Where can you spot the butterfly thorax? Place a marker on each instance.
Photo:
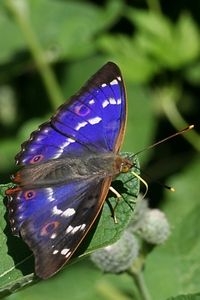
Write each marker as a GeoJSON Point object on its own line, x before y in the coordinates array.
{"type": "Point", "coordinates": [71, 168]}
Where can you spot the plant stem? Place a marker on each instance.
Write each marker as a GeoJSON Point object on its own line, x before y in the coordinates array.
{"type": "Point", "coordinates": [154, 6]}
{"type": "Point", "coordinates": [109, 291]}
{"type": "Point", "coordinates": [140, 283]}
{"type": "Point", "coordinates": [19, 10]}
{"type": "Point", "coordinates": [138, 278]}
{"type": "Point", "coordinates": [177, 121]}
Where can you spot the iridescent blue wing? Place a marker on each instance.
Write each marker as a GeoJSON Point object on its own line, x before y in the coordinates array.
{"type": "Point", "coordinates": [93, 120]}
{"type": "Point", "coordinates": [54, 221]}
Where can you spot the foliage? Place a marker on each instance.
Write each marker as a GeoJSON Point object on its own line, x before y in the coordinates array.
{"type": "Point", "coordinates": [48, 49]}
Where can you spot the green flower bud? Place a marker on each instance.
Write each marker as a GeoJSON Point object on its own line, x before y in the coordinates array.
{"type": "Point", "coordinates": [119, 256]}
{"type": "Point", "coordinates": [155, 227]}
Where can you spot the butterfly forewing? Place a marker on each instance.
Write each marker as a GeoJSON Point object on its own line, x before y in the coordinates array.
{"type": "Point", "coordinates": [91, 121]}
{"type": "Point", "coordinates": [53, 213]}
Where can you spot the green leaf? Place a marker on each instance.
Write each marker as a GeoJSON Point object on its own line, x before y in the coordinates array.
{"type": "Point", "coordinates": [17, 258]}
{"type": "Point", "coordinates": [164, 41]}
{"type": "Point", "coordinates": [64, 28]}
{"type": "Point", "coordinates": [79, 281]}
{"type": "Point", "coordinates": [141, 120]}
{"type": "Point", "coordinates": [178, 260]}
{"type": "Point", "coordinates": [78, 22]}
{"type": "Point", "coordinates": [138, 66]}
{"type": "Point", "coordinates": [158, 26]}
{"type": "Point", "coordinates": [12, 41]}
{"type": "Point", "coordinates": [154, 36]}
{"type": "Point", "coordinates": [187, 37]}
{"type": "Point", "coordinates": [192, 73]}
{"type": "Point", "coordinates": [186, 297]}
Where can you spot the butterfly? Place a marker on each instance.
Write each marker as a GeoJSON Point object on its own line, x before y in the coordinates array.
{"type": "Point", "coordinates": [67, 167]}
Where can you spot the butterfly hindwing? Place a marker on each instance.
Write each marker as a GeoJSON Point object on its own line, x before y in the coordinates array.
{"type": "Point", "coordinates": [53, 221]}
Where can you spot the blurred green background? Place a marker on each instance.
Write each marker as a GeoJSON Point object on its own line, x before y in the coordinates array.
{"type": "Point", "coordinates": [48, 49]}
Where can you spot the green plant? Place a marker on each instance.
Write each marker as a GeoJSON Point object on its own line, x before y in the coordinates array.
{"type": "Point", "coordinates": [48, 49]}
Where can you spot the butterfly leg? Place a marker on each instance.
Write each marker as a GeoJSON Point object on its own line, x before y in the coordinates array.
{"type": "Point", "coordinates": [117, 201]}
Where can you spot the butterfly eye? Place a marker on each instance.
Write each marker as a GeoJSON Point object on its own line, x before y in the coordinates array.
{"type": "Point", "coordinates": [125, 169]}
{"type": "Point", "coordinates": [36, 159]}
{"type": "Point", "coordinates": [125, 166]}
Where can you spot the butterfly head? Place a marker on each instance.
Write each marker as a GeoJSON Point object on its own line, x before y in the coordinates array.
{"type": "Point", "coordinates": [123, 164]}
{"type": "Point", "coordinates": [126, 165]}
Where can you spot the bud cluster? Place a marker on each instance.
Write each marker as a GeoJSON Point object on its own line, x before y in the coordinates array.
{"type": "Point", "coordinates": [147, 226]}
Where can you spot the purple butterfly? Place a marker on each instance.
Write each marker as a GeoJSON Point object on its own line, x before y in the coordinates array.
{"type": "Point", "coordinates": [67, 168]}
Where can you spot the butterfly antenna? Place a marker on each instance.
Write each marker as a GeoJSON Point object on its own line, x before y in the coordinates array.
{"type": "Point", "coordinates": [157, 181]}
{"type": "Point", "coordinates": [152, 146]}
{"type": "Point", "coordinates": [166, 139]}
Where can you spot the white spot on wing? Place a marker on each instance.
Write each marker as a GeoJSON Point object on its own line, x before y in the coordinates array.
{"type": "Point", "coordinates": [55, 252]}
{"type": "Point", "coordinates": [72, 230]}
{"type": "Point", "coordinates": [68, 212]}
{"type": "Point", "coordinates": [39, 139]}
{"type": "Point", "coordinates": [75, 229]}
{"type": "Point", "coordinates": [50, 196]}
{"type": "Point", "coordinates": [104, 84]}
{"type": "Point", "coordinates": [63, 146]}
{"type": "Point", "coordinates": [80, 125]}
{"type": "Point", "coordinates": [95, 120]}
{"type": "Point", "coordinates": [46, 130]}
{"type": "Point", "coordinates": [56, 211]}
{"type": "Point", "coordinates": [53, 236]}
{"type": "Point", "coordinates": [69, 229]}
{"type": "Point", "coordinates": [64, 251]}
{"type": "Point", "coordinates": [112, 101]}
{"type": "Point", "coordinates": [91, 101]}
{"type": "Point", "coordinates": [67, 143]}
{"type": "Point", "coordinates": [114, 82]}
{"type": "Point", "coordinates": [83, 226]}
{"type": "Point", "coordinates": [105, 103]}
